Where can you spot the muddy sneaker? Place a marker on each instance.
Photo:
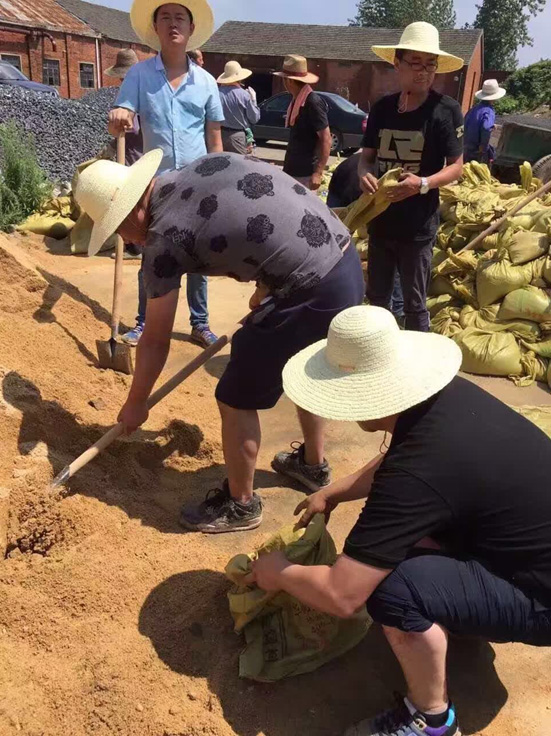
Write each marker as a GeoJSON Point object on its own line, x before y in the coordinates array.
{"type": "Point", "coordinates": [132, 337]}
{"type": "Point", "coordinates": [402, 722]}
{"type": "Point", "coordinates": [219, 513]}
{"type": "Point", "coordinates": [292, 464]}
{"type": "Point", "coordinates": [203, 336]}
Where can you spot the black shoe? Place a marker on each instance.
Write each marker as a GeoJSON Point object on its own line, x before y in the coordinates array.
{"type": "Point", "coordinates": [219, 513]}
{"type": "Point", "coordinates": [292, 464]}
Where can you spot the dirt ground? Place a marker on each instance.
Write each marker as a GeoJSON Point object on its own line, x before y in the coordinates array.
{"type": "Point", "coordinates": [114, 621]}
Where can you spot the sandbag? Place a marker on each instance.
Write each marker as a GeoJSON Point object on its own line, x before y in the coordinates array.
{"type": "Point", "coordinates": [538, 415]}
{"type": "Point", "coordinates": [496, 278]}
{"type": "Point", "coordinates": [543, 348]}
{"type": "Point", "coordinates": [534, 368]}
{"type": "Point", "coordinates": [81, 233]}
{"type": "Point", "coordinates": [369, 206]}
{"type": "Point", "coordinates": [489, 353]}
{"type": "Point", "coordinates": [53, 226]}
{"type": "Point", "coordinates": [283, 636]}
{"type": "Point", "coordinates": [446, 322]}
{"type": "Point", "coordinates": [436, 303]}
{"type": "Point", "coordinates": [460, 263]}
{"type": "Point", "coordinates": [486, 319]}
{"type": "Point", "coordinates": [530, 303]}
{"type": "Point", "coordinates": [523, 246]}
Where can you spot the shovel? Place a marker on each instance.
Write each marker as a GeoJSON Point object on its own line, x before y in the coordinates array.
{"type": "Point", "coordinates": [116, 431]}
{"type": "Point", "coordinates": [111, 353]}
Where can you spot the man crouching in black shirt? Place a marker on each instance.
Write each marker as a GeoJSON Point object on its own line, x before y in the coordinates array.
{"type": "Point", "coordinates": [421, 131]}
{"type": "Point", "coordinates": [452, 538]}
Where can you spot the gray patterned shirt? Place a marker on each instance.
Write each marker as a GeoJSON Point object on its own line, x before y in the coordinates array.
{"type": "Point", "coordinates": [232, 215]}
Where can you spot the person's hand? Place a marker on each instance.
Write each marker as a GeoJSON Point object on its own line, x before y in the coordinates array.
{"type": "Point", "coordinates": [317, 503]}
{"type": "Point", "coordinates": [369, 184]}
{"type": "Point", "coordinates": [315, 181]}
{"type": "Point", "coordinates": [252, 93]}
{"type": "Point", "coordinates": [267, 571]}
{"type": "Point", "coordinates": [408, 186]}
{"type": "Point", "coordinates": [133, 415]}
{"type": "Point", "coordinates": [259, 295]}
{"type": "Point", "coordinates": [120, 120]}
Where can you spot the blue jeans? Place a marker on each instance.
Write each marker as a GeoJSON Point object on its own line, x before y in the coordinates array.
{"type": "Point", "coordinates": [196, 299]}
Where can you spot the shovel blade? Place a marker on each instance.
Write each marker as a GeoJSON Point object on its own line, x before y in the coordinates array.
{"type": "Point", "coordinates": [115, 356]}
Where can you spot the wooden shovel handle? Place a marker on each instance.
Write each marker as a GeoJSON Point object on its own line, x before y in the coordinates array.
{"type": "Point", "coordinates": [498, 223]}
{"type": "Point", "coordinates": [119, 255]}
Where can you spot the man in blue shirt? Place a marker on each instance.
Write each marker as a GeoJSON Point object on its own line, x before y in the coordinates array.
{"type": "Point", "coordinates": [239, 105]}
{"type": "Point", "coordinates": [180, 112]}
{"type": "Point", "coordinates": [480, 121]}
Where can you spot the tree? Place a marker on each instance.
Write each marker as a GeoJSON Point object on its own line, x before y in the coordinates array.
{"type": "Point", "coordinates": [505, 25]}
{"type": "Point", "coordinates": [400, 13]}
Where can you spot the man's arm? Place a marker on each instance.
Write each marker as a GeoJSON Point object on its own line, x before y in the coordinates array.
{"type": "Point", "coordinates": [121, 117]}
{"type": "Point", "coordinates": [213, 136]}
{"type": "Point", "coordinates": [366, 171]}
{"type": "Point", "coordinates": [323, 150]}
{"type": "Point", "coordinates": [410, 184]}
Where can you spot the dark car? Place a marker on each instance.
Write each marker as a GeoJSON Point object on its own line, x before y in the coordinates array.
{"type": "Point", "coordinates": [347, 121]}
{"type": "Point", "coordinates": [12, 76]}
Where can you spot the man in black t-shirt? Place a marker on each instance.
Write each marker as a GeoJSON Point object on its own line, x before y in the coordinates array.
{"type": "Point", "coordinates": [455, 534]}
{"type": "Point", "coordinates": [310, 138]}
{"type": "Point", "coordinates": [421, 131]}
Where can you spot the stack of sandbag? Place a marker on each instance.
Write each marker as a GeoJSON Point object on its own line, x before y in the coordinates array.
{"type": "Point", "coordinates": [494, 302]}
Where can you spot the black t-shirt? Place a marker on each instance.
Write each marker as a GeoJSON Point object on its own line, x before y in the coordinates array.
{"type": "Point", "coordinates": [468, 471]}
{"type": "Point", "coordinates": [300, 159]}
{"type": "Point", "coordinates": [418, 141]}
{"type": "Point", "coordinates": [344, 187]}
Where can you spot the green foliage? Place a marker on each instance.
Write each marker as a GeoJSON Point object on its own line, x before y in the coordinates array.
{"type": "Point", "coordinates": [400, 13]}
{"type": "Point", "coordinates": [507, 106]}
{"type": "Point", "coordinates": [23, 184]}
{"type": "Point", "coordinates": [527, 89]}
{"type": "Point", "coordinates": [505, 25]}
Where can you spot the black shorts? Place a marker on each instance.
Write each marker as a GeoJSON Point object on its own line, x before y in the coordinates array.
{"type": "Point", "coordinates": [260, 350]}
{"type": "Point", "coordinates": [464, 598]}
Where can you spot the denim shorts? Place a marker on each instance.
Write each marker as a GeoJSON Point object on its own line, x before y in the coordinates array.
{"type": "Point", "coordinates": [262, 347]}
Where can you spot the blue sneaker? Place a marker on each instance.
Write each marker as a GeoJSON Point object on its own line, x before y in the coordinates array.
{"type": "Point", "coordinates": [400, 721]}
{"type": "Point", "coordinates": [203, 336]}
{"type": "Point", "coordinates": [132, 337]}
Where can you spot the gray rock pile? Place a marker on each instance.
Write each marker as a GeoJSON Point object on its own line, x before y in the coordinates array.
{"type": "Point", "coordinates": [67, 132]}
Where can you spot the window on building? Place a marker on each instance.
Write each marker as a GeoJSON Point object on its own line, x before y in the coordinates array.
{"type": "Point", "coordinates": [87, 76]}
{"type": "Point", "coordinates": [12, 59]}
{"type": "Point", "coordinates": [50, 72]}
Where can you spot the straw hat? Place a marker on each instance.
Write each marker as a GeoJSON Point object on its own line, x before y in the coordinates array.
{"type": "Point", "coordinates": [233, 72]}
{"type": "Point", "coordinates": [296, 67]}
{"type": "Point", "coordinates": [490, 91]}
{"type": "Point", "coordinates": [108, 192]}
{"type": "Point", "coordinates": [141, 17]}
{"type": "Point", "coordinates": [368, 368]}
{"type": "Point", "coordinates": [126, 58]}
{"type": "Point", "coordinates": [422, 37]}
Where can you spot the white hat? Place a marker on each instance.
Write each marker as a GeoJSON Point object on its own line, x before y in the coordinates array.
{"type": "Point", "coordinates": [368, 368]}
{"type": "Point", "coordinates": [108, 192]}
{"type": "Point", "coordinates": [233, 72]}
{"type": "Point", "coordinates": [296, 67]}
{"type": "Point", "coordinates": [422, 37]}
{"type": "Point", "coordinates": [490, 91]}
{"type": "Point", "coordinates": [141, 17]}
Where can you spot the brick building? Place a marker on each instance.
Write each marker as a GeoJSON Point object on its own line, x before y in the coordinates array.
{"type": "Point", "coordinates": [340, 55]}
{"type": "Point", "coordinates": [66, 44]}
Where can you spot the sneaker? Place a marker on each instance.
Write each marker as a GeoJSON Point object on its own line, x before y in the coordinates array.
{"type": "Point", "coordinates": [292, 464]}
{"type": "Point", "coordinates": [132, 337]}
{"type": "Point", "coordinates": [203, 336]}
{"type": "Point", "coordinates": [219, 513]}
{"type": "Point", "coordinates": [400, 721]}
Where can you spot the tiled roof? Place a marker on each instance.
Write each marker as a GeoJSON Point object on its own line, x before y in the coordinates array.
{"type": "Point", "coordinates": [46, 14]}
{"type": "Point", "coordinates": [347, 43]}
{"type": "Point", "coordinates": [109, 22]}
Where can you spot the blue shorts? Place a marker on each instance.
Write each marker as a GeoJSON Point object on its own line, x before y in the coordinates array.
{"type": "Point", "coordinates": [262, 347]}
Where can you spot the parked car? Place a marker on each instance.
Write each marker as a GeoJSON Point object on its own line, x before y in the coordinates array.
{"type": "Point", "coordinates": [347, 121]}
{"type": "Point", "coordinates": [12, 76]}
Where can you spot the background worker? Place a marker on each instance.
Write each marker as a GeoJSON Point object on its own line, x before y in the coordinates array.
{"type": "Point", "coordinates": [235, 216]}
{"type": "Point", "coordinates": [480, 122]}
{"type": "Point", "coordinates": [309, 137]}
{"type": "Point", "coordinates": [444, 544]}
{"type": "Point", "coordinates": [180, 113]}
{"type": "Point", "coordinates": [421, 131]}
{"type": "Point", "coordinates": [196, 55]}
{"type": "Point", "coordinates": [239, 106]}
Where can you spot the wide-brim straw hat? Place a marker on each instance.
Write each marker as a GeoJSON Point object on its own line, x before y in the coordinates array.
{"type": "Point", "coordinates": [141, 17]}
{"type": "Point", "coordinates": [108, 192]}
{"type": "Point", "coordinates": [296, 67]}
{"type": "Point", "coordinates": [490, 91]}
{"type": "Point", "coordinates": [425, 38]}
{"type": "Point", "coordinates": [368, 368]}
{"type": "Point", "coordinates": [233, 72]}
{"type": "Point", "coordinates": [124, 62]}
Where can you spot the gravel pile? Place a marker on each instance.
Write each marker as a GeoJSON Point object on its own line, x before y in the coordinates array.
{"type": "Point", "coordinates": [67, 132]}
